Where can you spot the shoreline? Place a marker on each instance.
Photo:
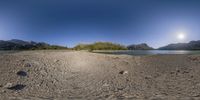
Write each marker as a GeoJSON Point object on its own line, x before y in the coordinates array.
{"type": "Point", "coordinates": [85, 75]}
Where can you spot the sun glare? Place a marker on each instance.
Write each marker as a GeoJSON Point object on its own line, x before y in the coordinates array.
{"type": "Point", "coordinates": [181, 36]}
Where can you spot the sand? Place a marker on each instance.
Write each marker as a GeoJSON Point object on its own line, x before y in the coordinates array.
{"type": "Point", "coordinates": [61, 75]}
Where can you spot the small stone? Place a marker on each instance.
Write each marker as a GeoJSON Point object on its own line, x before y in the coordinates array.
{"type": "Point", "coordinates": [198, 84]}
{"type": "Point", "coordinates": [172, 72]}
{"type": "Point", "coordinates": [120, 88]}
{"type": "Point", "coordinates": [157, 97]}
{"type": "Point", "coordinates": [27, 65]}
{"type": "Point", "coordinates": [3, 91]}
{"type": "Point", "coordinates": [116, 57]}
{"type": "Point", "coordinates": [56, 61]}
{"type": "Point", "coordinates": [21, 73]}
{"type": "Point", "coordinates": [147, 77]}
{"type": "Point", "coordinates": [8, 85]}
{"type": "Point", "coordinates": [105, 85]}
{"type": "Point", "coordinates": [123, 72]}
{"type": "Point", "coordinates": [17, 87]}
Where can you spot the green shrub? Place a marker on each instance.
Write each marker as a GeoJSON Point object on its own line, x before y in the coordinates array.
{"type": "Point", "coordinates": [100, 46]}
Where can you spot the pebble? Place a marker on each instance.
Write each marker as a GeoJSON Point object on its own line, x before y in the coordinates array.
{"type": "Point", "coordinates": [21, 73]}
{"type": "Point", "coordinates": [105, 85]}
{"type": "Point", "coordinates": [8, 85]}
{"type": "Point", "coordinates": [17, 87]}
{"type": "Point", "coordinates": [3, 91]}
{"type": "Point", "coordinates": [27, 65]}
{"type": "Point", "coordinates": [56, 61]}
{"type": "Point", "coordinates": [123, 72]}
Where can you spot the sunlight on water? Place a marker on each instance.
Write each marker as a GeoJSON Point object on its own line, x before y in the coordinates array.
{"type": "Point", "coordinates": [149, 52]}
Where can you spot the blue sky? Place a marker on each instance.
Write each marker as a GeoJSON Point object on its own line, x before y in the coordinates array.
{"type": "Point", "coordinates": [69, 22]}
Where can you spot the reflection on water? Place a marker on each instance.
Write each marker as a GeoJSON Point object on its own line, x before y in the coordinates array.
{"type": "Point", "coordinates": [149, 52]}
{"type": "Point", "coordinates": [133, 52]}
{"type": "Point", "coordinates": [8, 51]}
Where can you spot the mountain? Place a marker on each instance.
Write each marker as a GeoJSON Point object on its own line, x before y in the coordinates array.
{"type": "Point", "coordinates": [21, 42]}
{"type": "Point", "coordinates": [192, 45]}
{"type": "Point", "coordinates": [142, 46]}
{"type": "Point", "coordinates": [16, 44]}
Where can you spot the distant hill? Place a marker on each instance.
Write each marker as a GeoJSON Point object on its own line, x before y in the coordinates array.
{"type": "Point", "coordinates": [100, 46]}
{"type": "Point", "coordinates": [142, 46]}
{"type": "Point", "coordinates": [192, 45]}
{"type": "Point", "coordinates": [16, 44]}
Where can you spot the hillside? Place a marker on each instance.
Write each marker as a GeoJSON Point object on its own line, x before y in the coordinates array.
{"type": "Point", "coordinates": [142, 46]}
{"type": "Point", "coordinates": [15, 44]}
{"type": "Point", "coordinates": [100, 46]}
{"type": "Point", "coordinates": [192, 45]}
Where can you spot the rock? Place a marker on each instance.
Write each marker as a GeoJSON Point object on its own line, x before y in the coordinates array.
{"type": "Point", "coordinates": [17, 87]}
{"type": "Point", "coordinates": [157, 97]}
{"type": "Point", "coordinates": [172, 72]}
{"type": "Point", "coordinates": [27, 65]}
{"type": "Point", "coordinates": [116, 57]}
{"type": "Point", "coordinates": [8, 85]}
{"type": "Point", "coordinates": [56, 61]}
{"type": "Point", "coordinates": [21, 73]}
{"type": "Point", "coordinates": [105, 85]}
{"type": "Point", "coordinates": [123, 72]}
{"type": "Point", "coordinates": [3, 91]}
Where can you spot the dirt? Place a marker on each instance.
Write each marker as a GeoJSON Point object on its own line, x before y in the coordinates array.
{"type": "Point", "coordinates": [44, 75]}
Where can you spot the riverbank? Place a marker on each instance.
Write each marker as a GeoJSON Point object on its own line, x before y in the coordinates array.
{"type": "Point", "coordinates": [84, 75]}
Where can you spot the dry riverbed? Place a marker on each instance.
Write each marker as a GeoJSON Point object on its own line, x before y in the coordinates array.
{"type": "Point", "coordinates": [64, 75]}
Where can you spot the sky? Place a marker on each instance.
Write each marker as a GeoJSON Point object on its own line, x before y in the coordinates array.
{"type": "Point", "coordinates": [70, 22]}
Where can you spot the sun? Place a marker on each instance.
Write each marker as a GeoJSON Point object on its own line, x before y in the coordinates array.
{"type": "Point", "coordinates": [181, 36]}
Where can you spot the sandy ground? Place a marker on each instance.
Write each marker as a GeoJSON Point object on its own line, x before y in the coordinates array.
{"type": "Point", "coordinates": [65, 75]}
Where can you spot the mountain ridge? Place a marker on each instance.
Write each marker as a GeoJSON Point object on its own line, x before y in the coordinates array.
{"type": "Point", "coordinates": [192, 45]}
{"type": "Point", "coordinates": [142, 46]}
{"type": "Point", "coordinates": [16, 44]}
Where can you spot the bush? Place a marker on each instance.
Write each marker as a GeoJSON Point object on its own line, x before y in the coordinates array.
{"type": "Point", "coordinates": [100, 46]}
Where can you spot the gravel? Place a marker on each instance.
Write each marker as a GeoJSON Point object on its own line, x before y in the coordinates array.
{"type": "Point", "coordinates": [82, 75]}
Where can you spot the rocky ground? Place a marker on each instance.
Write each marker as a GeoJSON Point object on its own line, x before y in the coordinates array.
{"type": "Point", "coordinates": [65, 75]}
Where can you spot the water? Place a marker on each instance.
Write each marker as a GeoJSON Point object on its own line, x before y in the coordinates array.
{"type": "Point", "coordinates": [8, 51]}
{"type": "Point", "coordinates": [135, 52]}
{"type": "Point", "coordinates": [150, 52]}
